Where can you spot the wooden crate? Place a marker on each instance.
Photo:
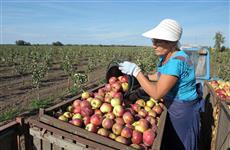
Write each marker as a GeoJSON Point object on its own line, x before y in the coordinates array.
{"type": "Point", "coordinates": [46, 117]}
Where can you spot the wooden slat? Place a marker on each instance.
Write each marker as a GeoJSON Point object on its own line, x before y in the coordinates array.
{"type": "Point", "coordinates": [56, 147]}
{"type": "Point", "coordinates": [54, 140]}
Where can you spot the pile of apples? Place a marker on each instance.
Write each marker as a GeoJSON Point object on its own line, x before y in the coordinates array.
{"type": "Point", "coordinates": [105, 113]}
{"type": "Point", "coordinates": [222, 88]}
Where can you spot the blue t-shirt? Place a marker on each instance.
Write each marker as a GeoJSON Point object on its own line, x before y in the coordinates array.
{"type": "Point", "coordinates": [180, 65]}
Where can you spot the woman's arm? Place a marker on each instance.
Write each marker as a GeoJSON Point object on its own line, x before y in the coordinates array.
{"type": "Point", "coordinates": [160, 88]}
{"type": "Point", "coordinates": [153, 77]}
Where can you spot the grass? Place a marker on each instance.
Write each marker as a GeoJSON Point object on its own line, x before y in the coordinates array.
{"type": "Point", "coordinates": [10, 114]}
{"type": "Point", "coordinates": [36, 104]}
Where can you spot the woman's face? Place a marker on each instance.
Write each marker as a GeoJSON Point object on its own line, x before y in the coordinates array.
{"type": "Point", "coordinates": [161, 47]}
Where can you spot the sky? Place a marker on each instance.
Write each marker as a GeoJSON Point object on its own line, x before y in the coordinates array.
{"type": "Point", "coordinates": [111, 21]}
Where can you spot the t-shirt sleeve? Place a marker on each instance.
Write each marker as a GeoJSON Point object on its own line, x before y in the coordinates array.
{"type": "Point", "coordinates": [173, 67]}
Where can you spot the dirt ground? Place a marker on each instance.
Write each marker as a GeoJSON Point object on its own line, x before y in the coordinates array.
{"type": "Point", "coordinates": [18, 92]}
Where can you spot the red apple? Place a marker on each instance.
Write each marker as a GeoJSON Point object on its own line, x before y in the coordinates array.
{"type": "Point", "coordinates": [143, 113]}
{"type": "Point", "coordinates": [116, 86]}
{"type": "Point", "coordinates": [108, 87]}
{"type": "Point", "coordinates": [151, 120]}
{"type": "Point", "coordinates": [137, 137]}
{"type": "Point", "coordinates": [119, 120]}
{"type": "Point", "coordinates": [91, 127]}
{"type": "Point", "coordinates": [96, 119]}
{"type": "Point", "coordinates": [126, 132]}
{"type": "Point", "coordinates": [128, 118]}
{"type": "Point", "coordinates": [149, 137]}
{"type": "Point", "coordinates": [86, 111]}
{"type": "Point", "coordinates": [110, 115]}
{"type": "Point", "coordinates": [76, 122]}
{"type": "Point", "coordinates": [77, 109]}
{"type": "Point", "coordinates": [86, 120]}
{"type": "Point", "coordinates": [157, 108]}
{"type": "Point", "coordinates": [98, 111]}
{"type": "Point", "coordinates": [117, 95]}
{"type": "Point", "coordinates": [85, 103]}
{"type": "Point", "coordinates": [117, 128]}
{"type": "Point", "coordinates": [107, 123]}
{"type": "Point", "coordinates": [112, 80]}
{"type": "Point", "coordinates": [136, 107]}
{"type": "Point", "coordinates": [76, 103]}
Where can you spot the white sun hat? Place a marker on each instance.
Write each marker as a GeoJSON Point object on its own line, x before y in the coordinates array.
{"type": "Point", "coordinates": [168, 29]}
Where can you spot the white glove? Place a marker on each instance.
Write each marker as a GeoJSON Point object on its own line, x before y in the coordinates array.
{"type": "Point", "coordinates": [129, 68]}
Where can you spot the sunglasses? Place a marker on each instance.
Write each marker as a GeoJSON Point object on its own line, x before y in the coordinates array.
{"type": "Point", "coordinates": [156, 41]}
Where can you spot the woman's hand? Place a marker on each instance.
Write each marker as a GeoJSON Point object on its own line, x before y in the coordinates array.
{"type": "Point", "coordinates": [129, 68]}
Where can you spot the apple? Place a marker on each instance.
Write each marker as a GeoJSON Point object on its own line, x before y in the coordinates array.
{"type": "Point", "coordinates": [116, 87]}
{"type": "Point", "coordinates": [76, 102]}
{"type": "Point", "coordinates": [85, 95]}
{"type": "Point", "coordinates": [136, 146]}
{"type": "Point", "coordinates": [137, 137]}
{"type": "Point", "coordinates": [128, 117]}
{"type": "Point", "coordinates": [98, 111]}
{"type": "Point", "coordinates": [119, 120]}
{"type": "Point", "coordinates": [154, 127]}
{"type": "Point", "coordinates": [150, 103]}
{"type": "Point", "coordinates": [89, 99]}
{"type": "Point", "coordinates": [70, 108]}
{"type": "Point", "coordinates": [77, 109]}
{"type": "Point", "coordinates": [151, 120]}
{"type": "Point", "coordinates": [76, 122]}
{"type": "Point", "coordinates": [130, 126]}
{"type": "Point", "coordinates": [77, 116]}
{"type": "Point", "coordinates": [149, 137]}
{"type": "Point", "coordinates": [91, 127]}
{"type": "Point", "coordinates": [112, 80]}
{"type": "Point", "coordinates": [96, 119]}
{"type": "Point", "coordinates": [107, 99]}
{"type": "Point", "coordinates": [147, 108]}
{"type": "Point", "coordinates": [96, 103]}
{"type": "Point", "coordinates": [126, 132]}
{"type": "Point", "coordinates": [157, 108]}
{"type": "Point", "coordinates": [152, 113]}
{"type": "Point", "coordinates": [107, 123]}
{"type": "Point", "coordinates": [125, 86]}
{"type": "Point", "coordinates": [142, 125]}
{"type": "Point", "coordinates": [136, 107]}
{"type": "Point", "coordinates": [86, 111]}
{"type": "Point", "coordinates": [122, 140]}
{"type": "Point", "coordinates": [116, 94]}
{"type": "Point", "coordinates": [112, 136]}
{"type": "Point", "coordinates": [63, 118]}
{"type": "Point", "coordinates": [140, 102]}
{"type": "Point", "coordinates": [110, 115]}
{"type": "Point", "coordinates": [118, 110]}
{"type": "Point", "coordinates": [68, 114]}
{"type": "Point", "coordinates": [106, 107]}
{"type": "Point", "coordinates": [117, 128]}
{"type": "Point", "coordinates": [108, 87]}
{"type": "Point", "coordinates": [101, 92]}
{"type": "Point", "coordinates": [123, 79]}
{"type": "Point", "coordinates": [86, 120]}
{"type": "Point", "coordinates": [115, 102]}
{"type": "Point", "coordinates": [97, 96]}
{"type": "Point", "coordinates": [103, 132]}
{"type": "Point", "coordinates": [143, 113]}
{"type": "Point", "coordinates": [85, 103]}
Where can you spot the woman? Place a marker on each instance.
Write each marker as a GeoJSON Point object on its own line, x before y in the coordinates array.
{"type": "Point", "coordinates": [176, 84]}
